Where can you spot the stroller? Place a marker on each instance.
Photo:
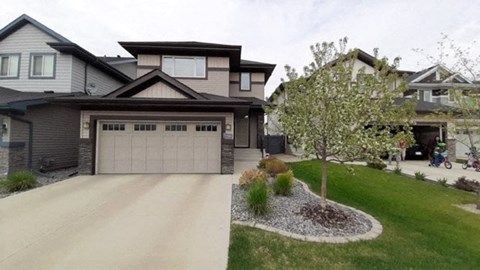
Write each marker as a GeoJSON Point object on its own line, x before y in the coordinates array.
{"type": "Point", "coordinates": [472, 162]}
{"type": "Point", "coordinates": [440, 156]}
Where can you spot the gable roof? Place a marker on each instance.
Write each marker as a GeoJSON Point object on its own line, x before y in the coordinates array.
{"type": "Point", "coordinates": [149, 79]}
{"type": "Point", "coordinates": [421, 75]}
{"type": "Point", "coordinates": [25, 19]}
{"type": "Point", "coordinates": [63, 45]}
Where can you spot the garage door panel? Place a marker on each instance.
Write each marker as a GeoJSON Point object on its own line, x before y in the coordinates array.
{"type": "Point", "coordinates": [165, 149]}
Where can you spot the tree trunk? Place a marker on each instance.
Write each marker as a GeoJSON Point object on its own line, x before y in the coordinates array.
{"type": "Point", "coordinates": [323, 192]}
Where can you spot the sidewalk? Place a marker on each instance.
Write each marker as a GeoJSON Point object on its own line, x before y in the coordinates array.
{"type": "Point", "coordinates": [409, 167]}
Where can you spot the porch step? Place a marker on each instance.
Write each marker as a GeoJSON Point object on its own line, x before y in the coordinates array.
{"type": "Point", "coordinates": [247, 154]}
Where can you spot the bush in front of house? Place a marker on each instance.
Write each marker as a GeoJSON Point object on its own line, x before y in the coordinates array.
{"type": "Point", "coordinates": [443, 182]}
{"type": "Point", "coordinates": [251, 176]}
{"type": "Point", "coordinates": [257, 198]}
{"type": "Point", "coordinates": [468, 185]}
{"type": "Point", "coordinates": [397, 170]}
{"type": "Point", "coordinates": [283, 183]}
{"type": "Point", "coordinates": [378, 165]}
{"type": "Point", "coordinates": [276, 166]}
{"type": "Point", "coordinates": [19, 181]}
{"type": "Point", "coordinates": [420, 176]}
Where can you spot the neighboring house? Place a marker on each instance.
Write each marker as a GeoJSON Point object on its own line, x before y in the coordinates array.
{"type": "Point", "coordinates": [36, 63]}
{"type": "Point", "coordinates": [435, 85]}
{"type": "Point", "coordinates": [433, 97]}
{"type": "Point", "coordinates": [190, 106]}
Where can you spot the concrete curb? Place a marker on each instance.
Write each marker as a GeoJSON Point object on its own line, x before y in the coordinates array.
{"type": "Point", "coordinates": [374, 232]}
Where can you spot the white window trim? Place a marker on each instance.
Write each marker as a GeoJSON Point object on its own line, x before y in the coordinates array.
{"type": "Point", "coordinates": [189, 57]}
{"type": "Point", "coordinates": [18, 65]}
{"type": "Point", "coordinates": [30, 71]}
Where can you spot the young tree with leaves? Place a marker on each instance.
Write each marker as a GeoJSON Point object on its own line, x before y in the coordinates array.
{"type": "Point", "coordinates": [339, 113]}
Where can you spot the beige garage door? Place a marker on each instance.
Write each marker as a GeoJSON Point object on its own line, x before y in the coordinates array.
{"type": "Point", "coordinates": [158, 147]}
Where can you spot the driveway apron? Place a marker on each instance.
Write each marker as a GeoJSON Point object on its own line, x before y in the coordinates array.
{"type": "Point", "coordinates": [119, 222]}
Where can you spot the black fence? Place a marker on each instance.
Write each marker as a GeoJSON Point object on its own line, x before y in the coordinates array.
{"type": "Point", "coordinates": [274, 144]}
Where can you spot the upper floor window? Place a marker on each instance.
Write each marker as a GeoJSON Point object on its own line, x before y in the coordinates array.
{"type": "Point", "coordinates": [9, 66]}
{"type": "Point", "coordinates": [184, 66]}
{"type": "Point", "coordinates": [245, 84]}
{"type": "Point", "coordinates": [42, 65]}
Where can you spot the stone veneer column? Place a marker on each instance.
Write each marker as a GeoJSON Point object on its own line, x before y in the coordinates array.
{"type": "Point", "coordinates": [227, 156]}
{"type": "Point", "coordinates": [452, 149]}
{"type": "Point", "coordinates": [4, 158]}
{"type": "Point", "coordinates": [85, 162]}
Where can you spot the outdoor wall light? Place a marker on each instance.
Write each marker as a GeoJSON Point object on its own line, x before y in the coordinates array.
{"type": "Point", "coordinates": [4, 128]}
{"type": "Point", "coordinates": [86, 125]}
{"type": "Point", "coordinates": [228, 127]}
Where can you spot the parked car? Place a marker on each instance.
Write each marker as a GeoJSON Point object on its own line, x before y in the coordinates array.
{"type": "Point", "coordinates": [417, 151]}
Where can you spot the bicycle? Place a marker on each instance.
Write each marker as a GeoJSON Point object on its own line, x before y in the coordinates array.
{"type": "Point", "coordinates": [445, 161]}
{"type": "Point", "coordinates": [471, 162]}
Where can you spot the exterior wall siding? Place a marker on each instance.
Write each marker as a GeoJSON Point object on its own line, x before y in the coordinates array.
{"type": "Point", "coordinates": [257, 86]}
{"type": "Point", "coordinates": [216, 83]}
{"type": "Point", "coordinates": [29, 39]}
{"type": "Point", "coordinates": [55, 139]}
{"type": "Point", "coordinates": [105, 84]}
{"type": "Point", "coordinates": [159, 90]}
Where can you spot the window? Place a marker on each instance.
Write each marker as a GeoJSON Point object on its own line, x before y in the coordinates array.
{"type": "Point", "coordinates": [113, 127]}
{"type": "Point", "coordinates": [245, 81]}
{"type": "Point", "coordinates": [175, 127]}
{"type": "Point", "coordinates": [145, 127]}
{"type": "Point", "coordinates": [208, 128]}
{"type": "Point", "coordinates": [184, 66]}
{"type": "Point", "coordinates": [42, 66]}
{"type": "Point", "coordinates": [9, 65]}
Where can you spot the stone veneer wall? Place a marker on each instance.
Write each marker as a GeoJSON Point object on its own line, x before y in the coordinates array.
{"type": "Point", "coordinates": [4, 161]}
{"type": "Point", "coordinates": [85, 162]}
{"type": "Point", "coordinates": [452, 149]}
{"type": "Point", "coordinates": [227, 156]}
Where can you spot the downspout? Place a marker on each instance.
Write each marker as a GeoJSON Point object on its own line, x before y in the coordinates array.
{"type": "Point", "coordinates": [85, 79]}
{"type": "Point", "coordinates": [30, 137]}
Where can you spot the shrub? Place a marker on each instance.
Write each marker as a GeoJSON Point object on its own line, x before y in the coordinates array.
{"type": "Point", "coordinates": [397, 170]}
{"type": "Point", "coordinates": [257, 198]}
{"type": "Point", "coordinates": [262, 164]}
{"type": "Point", "coordinates": [284, 183]}
{"type": "Point", "coordinates": [442, 181]}
{"type": "Point", "coordinates": [19, 181]}
{"type": "Point", "coordinates": [250, 176]}
{"type": "Point", "coordinates": [468, 185]}
{"type": "Point", "coordinates": [276, 166]}
{"type": "Point", "coordinates": [420, 176]}
{"type": "Point", "coordinates": [379, 165]}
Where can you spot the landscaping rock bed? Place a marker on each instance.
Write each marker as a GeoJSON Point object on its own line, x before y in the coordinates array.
{"type": "Point", "coordinates": [300, 213]}
{"type": "Point", "coordinates": [47, 178]}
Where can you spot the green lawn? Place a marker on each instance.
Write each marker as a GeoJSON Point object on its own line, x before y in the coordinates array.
{"type": "Point", "coordinates": [422, 230]}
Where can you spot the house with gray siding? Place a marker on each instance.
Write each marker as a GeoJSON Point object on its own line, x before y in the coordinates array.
{"type": "Point", "coordinates": [190, 106]}
{"type": "Point", "coordinates": [37, 63]}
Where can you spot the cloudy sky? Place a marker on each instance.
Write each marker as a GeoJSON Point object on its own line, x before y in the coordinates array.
{"type": "Point", "coordinates": [272, 31]}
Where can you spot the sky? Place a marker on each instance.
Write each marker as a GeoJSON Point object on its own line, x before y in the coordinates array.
{"type": "Point", "coordinates": [271, 31]}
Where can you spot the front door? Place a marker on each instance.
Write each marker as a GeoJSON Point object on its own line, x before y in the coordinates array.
{"type": "Point", "coordinates": [241, 131]}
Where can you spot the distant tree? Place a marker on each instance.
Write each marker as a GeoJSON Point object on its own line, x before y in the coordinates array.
{"type": "Point", "coordinates": [334, 112]}
{"type": "Point", "coordinates": [464, 117]}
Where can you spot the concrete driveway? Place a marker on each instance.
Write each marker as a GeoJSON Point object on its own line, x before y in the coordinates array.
{"type": "Point", "coordinates": [119, 222]}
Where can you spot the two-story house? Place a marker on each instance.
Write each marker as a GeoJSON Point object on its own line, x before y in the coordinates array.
{"type": "Point", "coordinates": [38, 63]}
{"type": "Point", "coordinates": [191, 104]}
{"type": "Point", "coordinates": [432, 86]}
